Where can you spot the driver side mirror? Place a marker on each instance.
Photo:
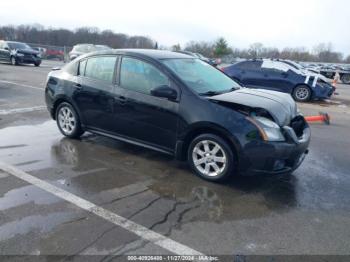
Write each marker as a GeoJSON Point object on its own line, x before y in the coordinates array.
{"type": "Point", "coordinates": [6, 48]}
{"type": "Point", "coordinates": [165, 92]}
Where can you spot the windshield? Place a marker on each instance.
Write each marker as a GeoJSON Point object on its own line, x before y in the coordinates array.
{"type": "Point", "coordinates": [200, 76]}
{"type": "Point", "coordinates": [15, 45]}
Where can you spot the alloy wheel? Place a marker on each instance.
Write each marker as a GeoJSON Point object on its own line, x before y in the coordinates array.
{"type": "Point", "coordinates": [66, 120]}
{"type": "Point", "coordinates": [13, 60]}
{"type": "Point", "coordinates": [302, 93]}
{"type": "Point", "coordinates": [209, 158]}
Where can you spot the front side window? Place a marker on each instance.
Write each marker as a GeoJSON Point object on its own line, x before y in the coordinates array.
{"type": "Point", "coordinates": [101, 68]}
{"type": "Point", "coordinates": [140, 76]}
{"type": "Point", "coordinates": [200, 76]}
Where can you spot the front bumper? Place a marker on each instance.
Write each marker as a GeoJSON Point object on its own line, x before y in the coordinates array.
{"type": "Point", "coordinates": [28, 59]}
{"type": "Point", "coordinates": [276, 157]}
{"type": "Point", "coordinates": [323, 92]}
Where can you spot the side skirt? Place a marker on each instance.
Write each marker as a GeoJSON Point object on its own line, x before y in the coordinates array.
{"type": "Point", "coordinates": [130, 141]}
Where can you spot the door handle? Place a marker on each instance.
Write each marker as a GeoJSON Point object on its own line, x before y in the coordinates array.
{"type": "Point", "coordinates": [121, 99]}
{"type": "Point", "coordinates": [78, 86]}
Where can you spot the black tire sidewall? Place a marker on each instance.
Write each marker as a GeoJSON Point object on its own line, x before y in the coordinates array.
{"type": "Point", "coordinates": [13, 58]}
{"type": "Point", "coordinates": [77, 129]}
{"type": "Point", "coordinates": [303, 100]}
{"type": "Point", "coordinates": [229, 169]}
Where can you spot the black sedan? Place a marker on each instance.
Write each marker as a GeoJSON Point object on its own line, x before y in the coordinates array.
{"type": "Point", "coordinates": [279, 76]}
{"type": "Point", "coordinates": [19, 53]}
{"type": "Point", "coordinates": [178, 105]}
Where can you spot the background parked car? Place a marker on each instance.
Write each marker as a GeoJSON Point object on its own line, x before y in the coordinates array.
{"type": "Point", "coordinates": [211, 61]}
{"type": "Point", "coordinates": [330, 71]}
{"type": "Point", "coordinates": [19, 53]}
{"type": "Point", "coordinates": [81, 49]}
{"type": "Point", "coordinates": [278, 76]}
{"type": "Point", "coordinates": [301, 67]}
{"type": "Point", "coordinates": [41, 50]}
{"type": "Point", "coordinates": [55, 53]}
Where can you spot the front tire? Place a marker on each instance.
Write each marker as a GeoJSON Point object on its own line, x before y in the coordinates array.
{"type": "Point", "coordinates": [302, 93]}
{"type": "Point", "coordinates": [14, 61]}
{"type": "Point", "coordinates": [68, 121]}
{"type": "Point", "coordinates": [37, 64]}
{"type": "Point", "coordinates": [211, 158]}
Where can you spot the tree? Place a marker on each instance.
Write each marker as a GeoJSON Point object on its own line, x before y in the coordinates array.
{"type": "Point", "coordinates": [204, 48]}
{"type": "Point", "coordinates": [38, 35]}
{"type": "Point", "coordinates": [255, 50]}
{"type": "Point", "coordinates": [221, 48]}
{"type": "Point", "coordinates": [347, 59]}
{"type": "Point", "coordinates": [176, 47]}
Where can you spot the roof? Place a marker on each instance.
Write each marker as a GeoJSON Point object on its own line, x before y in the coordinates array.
{"type": "Point", "coordinates": [151, 53]}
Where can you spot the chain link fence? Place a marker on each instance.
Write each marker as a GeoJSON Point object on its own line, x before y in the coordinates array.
{"type": "Point", "coordinates": [52, 52]}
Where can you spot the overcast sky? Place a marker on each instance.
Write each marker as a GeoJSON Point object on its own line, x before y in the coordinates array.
{"type": "Point", "coordinates": [277, 23]}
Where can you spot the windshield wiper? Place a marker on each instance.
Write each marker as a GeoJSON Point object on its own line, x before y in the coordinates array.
{"type": "Point", "coordinates": [213, 93]}
{"type": "Point", "coordinates": [210, 93]}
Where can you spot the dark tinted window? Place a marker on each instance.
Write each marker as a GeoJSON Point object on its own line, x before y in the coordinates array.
{"type": "Point", "coordinates": [140, 76]}
{"type": "Point", "coordinates": [250, 65]}
{"type": "Point", "coordinates": [101, 68]}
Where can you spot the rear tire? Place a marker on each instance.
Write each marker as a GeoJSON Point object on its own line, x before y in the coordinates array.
{"type": "Point", "coordinates": [68, 121]}
{"type": "Point", "coordinates": [211, 158]}
{"type": "Point", "coordinates": [302, 93]}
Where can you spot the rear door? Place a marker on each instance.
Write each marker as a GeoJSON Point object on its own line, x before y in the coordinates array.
{"type": "Point", "coordinates": [94, 91]}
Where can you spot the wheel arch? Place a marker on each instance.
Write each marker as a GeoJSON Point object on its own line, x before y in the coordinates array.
{"type": "Point", "coordinates": [303, 84]}
{"type": "Point", "coordinates": [62, 99]}
{"type": "Point", "coordinates": [206, 128]}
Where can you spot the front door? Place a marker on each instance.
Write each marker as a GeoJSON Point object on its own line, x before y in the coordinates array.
{"type": "Point", "coordinates": [140, 115]}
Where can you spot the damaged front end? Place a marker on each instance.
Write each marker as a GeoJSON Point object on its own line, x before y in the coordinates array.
{"type": "Point", "coordinates": [284, 133]}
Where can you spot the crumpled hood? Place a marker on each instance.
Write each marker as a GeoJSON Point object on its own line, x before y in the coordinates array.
{"type": "Point", "coordinates": [281, 106]}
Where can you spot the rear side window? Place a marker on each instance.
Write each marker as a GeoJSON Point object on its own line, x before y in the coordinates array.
{"type": "Point", "coordinates": [140, 76]}
{"type": "Point", "coordinates": [100, 68]}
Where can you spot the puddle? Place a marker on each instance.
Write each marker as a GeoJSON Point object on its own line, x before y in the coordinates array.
{"type": "Point", "coordinates": [24, 195]}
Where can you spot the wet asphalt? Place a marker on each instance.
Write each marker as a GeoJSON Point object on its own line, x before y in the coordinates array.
{"type": "Point", "coordinates": [304, 213]}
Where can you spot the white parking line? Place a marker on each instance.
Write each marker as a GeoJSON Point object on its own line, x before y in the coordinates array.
{"type": "Point", "coordinates": [21, 110]}
{"type": "Point", "coordinates": [23, 85]}
{"type": "Point", "coordinates": [143, 232]}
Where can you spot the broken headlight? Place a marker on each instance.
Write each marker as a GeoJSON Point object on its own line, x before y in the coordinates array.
{"type": "Point", "coordinates": [269, 130]}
